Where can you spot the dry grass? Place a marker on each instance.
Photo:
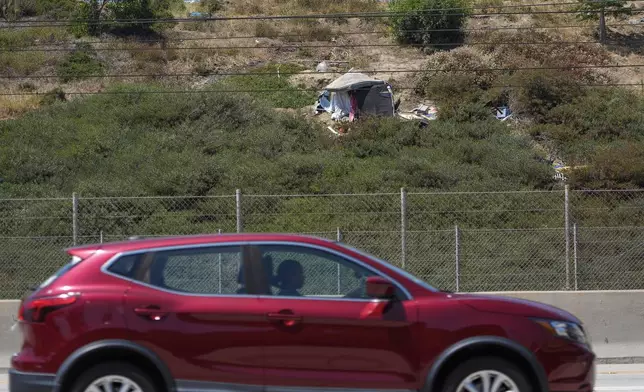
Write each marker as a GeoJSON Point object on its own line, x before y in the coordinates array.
{"type": "Point", "coordinates": [266, 30]}
{"type": "Point", "coordinates": [15, 105]}
{"type": "Point", "coordinates": [489, 6]}
{"type": "Point", "coordinates": [31, 36]}
{"type": "Point", "coordinates": [150, 55]}
{"type": "Point", "coordinates": [298, 7]}
{"type": "Point", "coordinates": [23, 63]}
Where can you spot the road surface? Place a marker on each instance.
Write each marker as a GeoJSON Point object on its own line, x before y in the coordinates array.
{"type": "Point", "coordinates": [610, 378]}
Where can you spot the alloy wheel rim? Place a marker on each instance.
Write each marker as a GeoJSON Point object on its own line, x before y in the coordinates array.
{"type": "Point", "coordinates": [113, 383]}
{"type": "Point", "coordinates": [487, 381]}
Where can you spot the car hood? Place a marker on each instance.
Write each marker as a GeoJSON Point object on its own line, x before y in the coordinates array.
{"type": "Point", "coordinates": [514, 306]}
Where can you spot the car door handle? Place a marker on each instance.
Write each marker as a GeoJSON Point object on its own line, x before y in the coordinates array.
{"type": "Point", "coordinates": [151, 312]}
{"type": "Point", "coordinates": [286, 319]}
{"type": "Point", "coordinates": [282, 316]}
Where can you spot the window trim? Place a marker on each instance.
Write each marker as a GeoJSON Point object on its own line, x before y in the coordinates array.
{"type": "Point", "coordinates": [244, 244]}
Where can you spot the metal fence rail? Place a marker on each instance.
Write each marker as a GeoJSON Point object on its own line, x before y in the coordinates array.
{"type": "Point", "coordinates": [462, 241]}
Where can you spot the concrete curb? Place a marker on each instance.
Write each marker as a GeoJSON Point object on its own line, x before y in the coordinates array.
{"type": "Point", "coordinates": [620, 361]}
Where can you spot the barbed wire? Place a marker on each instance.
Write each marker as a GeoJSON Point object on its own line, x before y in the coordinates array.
{"type": "Point", "coordinates": [287, 73]}
{"type": "Point", "coordinates": [259, 91]}
{"type": "Point", "coordinates": [338, 33]}
{"type": "Point", "coordinates": [75, 22]}
{"type": "Point", "coordinates": [587, 191]}
{"type": "Point", "coordinates": [294, 46]}
{"type": "Point", "coordinates": [500, 6]}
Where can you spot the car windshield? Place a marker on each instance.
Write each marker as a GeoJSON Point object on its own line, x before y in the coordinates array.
{"type": "Point", "coordinates": [392, 267]}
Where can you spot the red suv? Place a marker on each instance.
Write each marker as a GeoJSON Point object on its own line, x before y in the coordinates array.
{"type": "Point", "coordinates": [272, 313]}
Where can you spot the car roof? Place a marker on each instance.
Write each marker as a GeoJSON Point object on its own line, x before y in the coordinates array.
{"type": "Point", "coordinates": [183, 240]}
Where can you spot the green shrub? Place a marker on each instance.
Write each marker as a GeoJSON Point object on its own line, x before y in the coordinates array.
{"type": "Point", "coordinates": [145, 9]}
{"type": "Point", "coordinates": [535, 93]}
{"type": "Point", "coordinates": [51, 9]}
{"type": "Point", "coordinates": [79, 64]}
{"type": "Point", "coordinates": [53, 96]}
{"type": "Point", "coordinates": [600, 132]}
{"type": "Point", "coordinates": [414, 25]}
{"type": "Point", "coordinates": [211, 6]}
{"type": "Point", "coordinates": [462, 94]}
{"type": "Point", "coordinates": [602, 114]}
{"type": "Point", "coordinates": [617, 165]}
{"type": "Point", "coordinates": [449, 74]}
{"type": "Point", "coordinates": [548, 51]}
{"type": "Point", "coordinates": [590, 10]}
{"type": "Point", "coordinates": [89, 15]}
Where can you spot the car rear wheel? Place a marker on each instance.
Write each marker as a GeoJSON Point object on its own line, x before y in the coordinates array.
{"type": "Point", "coordinates": [114, 377]}
{"type": "Point", "coordinates": [487, 375]}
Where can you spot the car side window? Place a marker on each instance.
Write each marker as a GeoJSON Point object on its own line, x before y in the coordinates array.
{"type": "Point", "coordinates": [212, 270]}
{"type": "Point", "coordinates": [299, 271]}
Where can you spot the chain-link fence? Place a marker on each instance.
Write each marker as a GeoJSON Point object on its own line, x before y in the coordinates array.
{"type": "Point", "coordinates": [462, 241]}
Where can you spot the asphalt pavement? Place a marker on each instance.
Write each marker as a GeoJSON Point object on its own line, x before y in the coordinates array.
{"type": "Point", "coordinates": [610, 378]}
{"type": "Point", "coordinates": [614, 378]}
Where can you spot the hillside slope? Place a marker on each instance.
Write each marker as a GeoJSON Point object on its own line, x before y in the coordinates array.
{"type": "Point", "coordinates": [518, 60]}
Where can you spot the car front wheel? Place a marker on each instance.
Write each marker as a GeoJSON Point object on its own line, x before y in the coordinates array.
{"type": "Point", "coordinates": [487, 375]}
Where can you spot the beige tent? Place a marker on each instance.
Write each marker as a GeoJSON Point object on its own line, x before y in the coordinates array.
{"type": "Point", "coordinates": [370, 96]}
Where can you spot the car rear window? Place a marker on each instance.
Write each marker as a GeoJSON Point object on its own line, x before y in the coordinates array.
{"type": "Point", "coordinates": [61, 271]}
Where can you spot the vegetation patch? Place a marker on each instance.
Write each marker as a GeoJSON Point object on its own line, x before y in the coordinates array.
{"type": "Point", "coordinates": [136, 144]}
{"type": "Point", "coordinates": [79, 64]}
{"type": "Point", "coordinates": [271, 83]}
{"type": "Point", "coordinates": [438, 29]}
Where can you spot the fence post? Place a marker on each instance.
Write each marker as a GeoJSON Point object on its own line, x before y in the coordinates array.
{"type": "Point", "coordinates": [403, 227]}
{"type": "Point", "coordinates": [458, 258]}
{"type": "Point", "coordinates": [574, 255]}
{"type": "Point", "coordinates": [219, 267]}
{"type": "Point", "coordinates": [567, 233]}
{"type": "Point", "coordinates": [101, 238]}
{"type": "Point", "coordinates": [74, 218]}
{"type": "Point", "coordinates": [338, 238]}
{"type": "Point", "coordinates": [238, 210]}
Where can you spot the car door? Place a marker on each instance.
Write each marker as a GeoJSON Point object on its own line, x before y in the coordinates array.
{"type": "Point", "coordinates": [190, 307]}
{"type": "Point", "coordinates": [322, 330]}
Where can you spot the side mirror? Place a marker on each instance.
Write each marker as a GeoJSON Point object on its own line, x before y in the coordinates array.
{"type": "Point", "coordinates": [379, 287]}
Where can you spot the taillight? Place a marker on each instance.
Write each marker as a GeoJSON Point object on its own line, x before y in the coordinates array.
{"type": "Point", "coordinates": [21, 313]}
{"type": "Point", "coordinates": [37, 309]}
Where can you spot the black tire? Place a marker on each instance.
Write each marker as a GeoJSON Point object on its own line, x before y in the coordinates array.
{"type": "Point", "coordinates": [117, 369]}
{"type": "Point", "coordinates": [472, 366]}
